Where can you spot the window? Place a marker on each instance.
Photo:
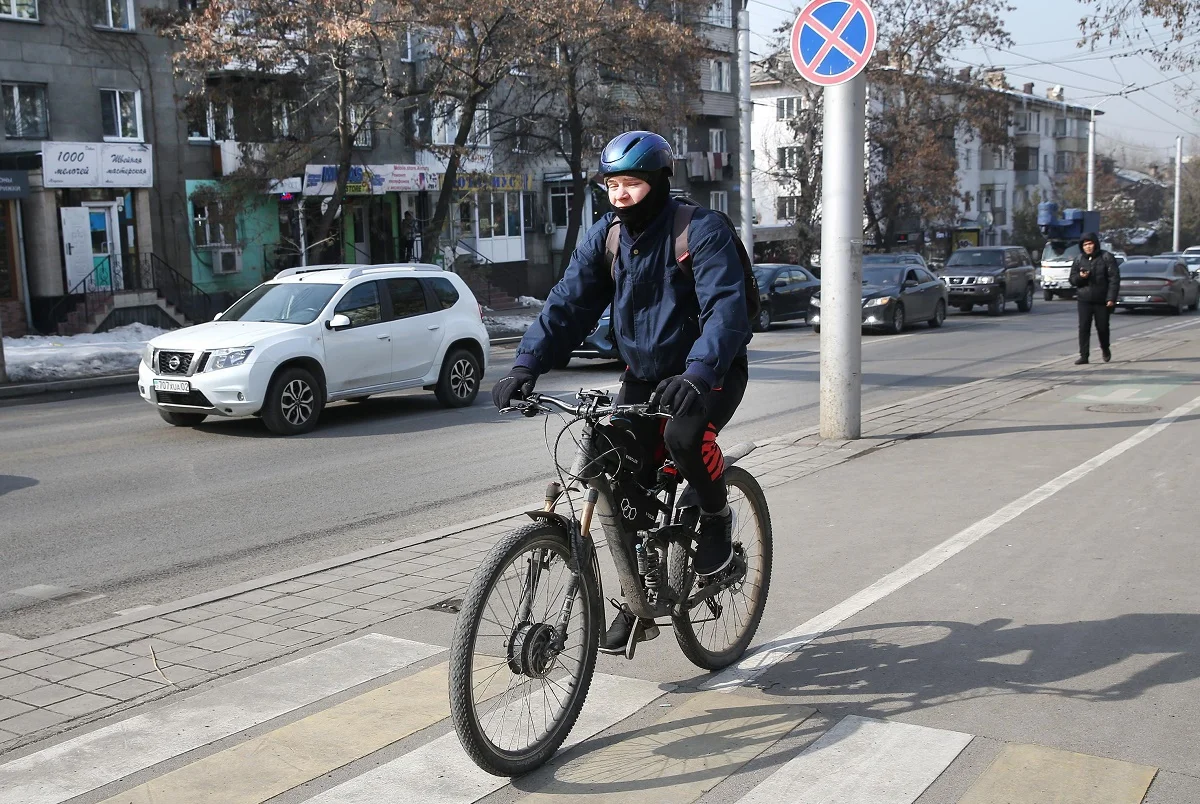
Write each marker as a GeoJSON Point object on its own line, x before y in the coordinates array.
{"type": "Point", "coordinates": [212, 227]}
{"type": "Point", "coordinates": [1021, 121]}
{"type": "Point", "coordinates": [716, 140]}
{"type": "Point", "coordinates": [522, 136]}
{"type": "Point", "coordinates": [1064, 162]}
{"type": "Point", "coordinates": [208, 121]}
{"type": "Point", "coordinates": [25, 114]}
{"type": "Point", "coordinates": [720, 13]}
{"type": "Point", "coordinates": [19, 9]}
{"type": "Point", "coordinates": [360, 121]}
{"type": "Point", "coordinates": [1046, 163]}
{"type": "Point", "coordinates": [494, 215]}
{"type": "Point", "coordinates": [788, 108]}
{"type": "Point", "coordinates": [408, 297]}
{"type": "Point", "coordinates": [924, 276]}
{"type": "Point", "coordinates": [115, 14]}
{"type": "Point", "coordinates": [445, 128]}
{"type": "Point", "coordinates": [283, 120]}
{"type": "Point", "coordinates": [560, 205]}
{"type": "Point", "coordinates": [789, 158]}
{"type": "Point", "coordinates": [406, 46]}
{"type": "Point", "coordinates": [1025, 159]}
{"type": "Point", "coordinates": [719, 200]}
{"type": "Point", "coordinates": [679, 141]}
{"type": "Point", "coordinates": [361, 305]}
{"type": "Point", "coordinates": [966, 158]}
{"type": "Point", "coordinates": [786, 207]}
{"type": "Point", "coordinates": [444, 290]}
{"type": "Point", "coordinates": [121, 114]}
{"type": "Point", "coordinates": [1060, 127]}
{"type": "Point", "coordinates": [718, 78]}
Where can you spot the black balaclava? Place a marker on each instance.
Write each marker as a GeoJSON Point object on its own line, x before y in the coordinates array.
{"type": "Point", "coordinates": [639, 216]}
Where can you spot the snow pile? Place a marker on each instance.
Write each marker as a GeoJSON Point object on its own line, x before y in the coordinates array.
{"type": "Point", "coordinates": [530, 301]}
{"type": "Point", "coordinates": [65, 357]}
{"type": "Point", "coordinates": [502, 325]}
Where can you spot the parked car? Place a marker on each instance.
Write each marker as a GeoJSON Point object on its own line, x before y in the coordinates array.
{"type": "Point", "coordinates": [600, 343]}
{"type": "Point", "coordinates": [896, 258]}
{"type": "Point", "coordinates": [1158, 283]}
{"type": "Point", "coordinates": [894, 296]}
{"type": "Point", "coordinates": [784, 291]}
{"type": "Point", "coordinates": [1192, 250]}
{"type": "Point", "coordinates": [1190, 258]}
{"type": "Point", "coordinates": [318, 334]}
{"type": "Point", "coordinates": [991, 276]}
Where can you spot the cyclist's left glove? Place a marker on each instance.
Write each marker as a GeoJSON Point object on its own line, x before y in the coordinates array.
{"type": "Point", "coordinates": [681, 395]}
{"type": "Point", "coordinates": [517, 385]}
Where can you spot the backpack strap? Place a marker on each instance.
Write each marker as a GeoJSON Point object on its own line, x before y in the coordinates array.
{"type": "Point", "coordinates": [612, 245]}
{"type": "Point", "coordinates": [683, 220]}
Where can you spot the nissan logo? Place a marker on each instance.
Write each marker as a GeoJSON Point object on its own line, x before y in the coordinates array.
{"type": "Point", "coordinates": [173, 363]}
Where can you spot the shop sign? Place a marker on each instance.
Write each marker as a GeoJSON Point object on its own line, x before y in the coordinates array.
{"type": "Point", "coordinates": [368, 179]}
{"type": "Point", "coordinates": [97, 164]}
{"type": "Point", "coordinates": [405, 178]}
{"type": "Point", "coordinates": [14, 184]}
{"type": "Point", "coordinates": [489, 181]}
{"type": "Point", "coordinates": [288, 186]}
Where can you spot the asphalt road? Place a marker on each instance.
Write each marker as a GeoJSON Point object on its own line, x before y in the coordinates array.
{"type": "Point", "coordinates": [99, 496]}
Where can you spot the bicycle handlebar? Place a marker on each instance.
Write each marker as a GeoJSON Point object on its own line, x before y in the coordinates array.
{"type": "Point", "coordinates": [589, 407]}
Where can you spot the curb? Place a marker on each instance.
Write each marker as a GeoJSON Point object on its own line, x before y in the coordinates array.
{"type": "Point", "coordinates": [25, 389]}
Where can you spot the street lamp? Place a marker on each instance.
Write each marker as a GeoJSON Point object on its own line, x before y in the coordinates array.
{"type": "Point", "coordinates": [1091, 167]}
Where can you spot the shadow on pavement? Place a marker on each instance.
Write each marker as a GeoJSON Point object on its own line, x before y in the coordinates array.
{"type": "Point", "coordinates": [1046, 428]}
{"type": "Point", "coordinates": [15, 483]}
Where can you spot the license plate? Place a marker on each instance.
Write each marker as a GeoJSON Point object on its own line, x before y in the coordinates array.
{"type": "Point", "coordinates": [1135, 298]}
{"type": "Point", "coordinates": [172, 386]}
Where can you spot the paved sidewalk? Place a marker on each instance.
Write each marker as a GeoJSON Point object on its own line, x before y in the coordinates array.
{"type": "Point", "coordinates": [52, 683]}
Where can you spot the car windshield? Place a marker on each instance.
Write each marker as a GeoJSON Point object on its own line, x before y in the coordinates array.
{"type": "Point", "coordinates": [1060, 250]}
{"type": "Point", "coordinates": [889, 259]}
{"type": "Point", "coordinates": [882, 276]}
{"type": "Point", "coordinates": [288, 303]}
{"type": "Point", "coordinates": [975, 259]}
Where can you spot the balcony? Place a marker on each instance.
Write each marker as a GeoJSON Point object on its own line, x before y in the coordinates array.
{"type": "Point", "coordinates": [1027, 139]}
{"type": "Point", "coordinates": [1067, 144]}
{"type": "Point", "coordinates": [1027, 178]}
{"type": "Point", "coordinates": [228, 155]}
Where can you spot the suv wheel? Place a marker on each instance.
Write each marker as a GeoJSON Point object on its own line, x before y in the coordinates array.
{"type": "Point", "coordinates": [458, 384]}
{"type": "Point", "coordinates": [1026, 302]}
{"type": "Point", "coordinates": [182, 419]}
{"type": "Point", "coordinates": [996, 305]}
{"type": "Point", "coordinates": [1047, 295]}
{"type": "Point", "coordinates": [294, 402]}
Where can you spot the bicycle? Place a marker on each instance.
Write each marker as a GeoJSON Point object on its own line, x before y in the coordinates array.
{"type": "Point", "coordinates": [532, 616]}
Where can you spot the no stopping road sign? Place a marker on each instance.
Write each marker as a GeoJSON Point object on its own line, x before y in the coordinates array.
{"type": "Point", "coordinates": [832, 40]}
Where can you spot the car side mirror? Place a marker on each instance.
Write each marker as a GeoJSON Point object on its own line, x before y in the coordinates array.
{"type": "Point", "coordinates": [911, 283]}
{"type": "Point", "coordinates": [338, 322]}
{"type": "Point", "coordinates": [778, 283]}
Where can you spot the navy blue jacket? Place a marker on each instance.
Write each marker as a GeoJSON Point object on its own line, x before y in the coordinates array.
{"type": "Point", "coordinates": [665, 322]}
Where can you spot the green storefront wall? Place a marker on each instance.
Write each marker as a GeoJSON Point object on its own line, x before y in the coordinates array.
{"type": "Point", "coordinates": [257, 236]}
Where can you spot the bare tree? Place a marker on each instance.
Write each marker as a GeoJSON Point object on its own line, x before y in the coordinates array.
{"type": "Point", "coordinates": [1173, 46]}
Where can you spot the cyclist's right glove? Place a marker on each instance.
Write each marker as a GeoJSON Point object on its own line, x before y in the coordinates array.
{"type": "Point", "coordinates": [517, 385]}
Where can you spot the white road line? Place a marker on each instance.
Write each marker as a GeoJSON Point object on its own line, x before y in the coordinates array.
{"type": "Point", "coordinates": [863, 761]}
{"type": "Point", "coordinates": [440, 772]}
{"type": "Point", "coordinates": [97, 758]}
{"type": "Point", "coordinates": [771, 653]}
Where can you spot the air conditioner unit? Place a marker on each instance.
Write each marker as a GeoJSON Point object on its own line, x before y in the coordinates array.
{"type": "Point", "coordinates": [549, 227]}
{"type": "Point", "coordinates": [227, 261]}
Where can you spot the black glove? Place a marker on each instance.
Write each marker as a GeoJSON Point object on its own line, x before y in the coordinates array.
{"type": "Point", "coordinates": [681, 395]}
{"type": "Point", "coordinates": [517, 385]}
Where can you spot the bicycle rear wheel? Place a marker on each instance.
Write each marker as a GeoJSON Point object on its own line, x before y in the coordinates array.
{"type": "Point", "coordinates": [523, 652]}
{"type": "Point", "coordinates": [715, 632]}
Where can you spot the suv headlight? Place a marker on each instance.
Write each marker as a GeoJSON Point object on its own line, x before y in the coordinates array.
{"type": "Point", "coordinates": [227, 358]}
{"type": "Point", "coordinates": [148, 356]}
{"type": "Point", "coordinates": [878, 302]}
{"type": "Point", "coordinates": [985, 280]}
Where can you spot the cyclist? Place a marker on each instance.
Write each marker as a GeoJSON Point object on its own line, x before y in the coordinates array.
{"type": "Point", "coordinates": [682, 334]}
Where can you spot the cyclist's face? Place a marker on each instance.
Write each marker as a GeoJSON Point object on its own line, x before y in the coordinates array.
{"type": "Point", "coordinates": [625, 191]}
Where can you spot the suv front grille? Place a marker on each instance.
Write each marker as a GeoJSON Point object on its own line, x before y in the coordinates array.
{"type": "Point", "coordinates": [961, 280]}
{"type": "Point", "coordinates": [192, 398]}
{"type": "Point", "coordinates": [174, 362]}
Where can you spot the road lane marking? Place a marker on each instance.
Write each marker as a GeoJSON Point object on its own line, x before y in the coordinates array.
{"type": "Point", "coordinates": [864, 761]}
{"type": "Point", "coordinates": [768, 654]}
{"type": "Point", "coordinates": [1034, 773]}
{"type": "Point", "coordinates": [108, 754]}
{"type": "Point", "coordinates": [678, 759]}
{"type": "Point", "coordinates": [440, 772]}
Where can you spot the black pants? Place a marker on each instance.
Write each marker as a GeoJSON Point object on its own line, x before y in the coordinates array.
{"type": "Point", "coordinates": [1088, 312]}
{"type": "Point", "coordinates": [692, 440]}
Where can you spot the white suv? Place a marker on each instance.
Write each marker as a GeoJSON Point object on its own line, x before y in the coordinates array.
{"type": "Point", "coordinates": [318, 334]}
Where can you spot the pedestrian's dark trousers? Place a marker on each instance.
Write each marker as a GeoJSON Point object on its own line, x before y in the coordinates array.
{"type": "Point", "coordinates": [692, 440]}
{"type": "Point", "coordinates": [1088, 312]}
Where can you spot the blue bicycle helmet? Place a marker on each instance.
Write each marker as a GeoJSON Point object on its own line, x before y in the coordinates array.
{"type": "Point", "coordinates": [636, 152]}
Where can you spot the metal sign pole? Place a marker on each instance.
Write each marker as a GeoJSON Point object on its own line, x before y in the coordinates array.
{"type": "Point", "coordinates": [841, 259]}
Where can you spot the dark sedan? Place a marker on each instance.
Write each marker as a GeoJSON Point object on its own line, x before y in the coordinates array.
{"type": "Point", "coordinates": [784, 293]}
{"type": "Point", "coordinates": [895, 296]}
{"type": "Point", "coordinates": [1156, 282]}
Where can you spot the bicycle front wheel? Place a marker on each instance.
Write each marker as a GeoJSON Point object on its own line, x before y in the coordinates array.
{"type": "Point", "coordinates": [715, 631]}
{"type": "Point", "coordinates": [524, 651]}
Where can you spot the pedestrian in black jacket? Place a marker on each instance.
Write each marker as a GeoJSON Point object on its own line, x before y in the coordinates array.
{"type": "Point", "coordinates": [1098, 279]}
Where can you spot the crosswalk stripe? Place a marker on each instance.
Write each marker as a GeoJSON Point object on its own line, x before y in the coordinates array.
{"type": "Point", "coordinates": [440, 772]}
{"type": "Point", "coordinates": [1035, 773]}
{"type": "Point", "coordinates": [679, 758]}
{"type": "Point", "coordinates": [864, 761]}
{"type": "Point", "coordinates": [108, 754]}
{"type": "Point", "coordinates": [299, 752]}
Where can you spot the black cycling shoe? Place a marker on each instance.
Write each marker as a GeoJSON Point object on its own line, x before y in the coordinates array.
{"type": "Point", "coordinates": [616, 639]}
{"type": "Point", "coordinates": [714, 545]}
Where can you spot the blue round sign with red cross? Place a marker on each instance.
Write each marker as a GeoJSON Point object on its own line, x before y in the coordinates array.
{"type": "Point", "coordinates": [832, 40]}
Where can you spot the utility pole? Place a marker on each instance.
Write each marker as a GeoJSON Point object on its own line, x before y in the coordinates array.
{"type": "Point", "coordinates": [1178, 176]}
{"type": "Point", "coordinates": [746, 112]}
{"type": "Point", "coordinates": [1091, 171]}
{"type": "Point", "coordinates": [841, 258]}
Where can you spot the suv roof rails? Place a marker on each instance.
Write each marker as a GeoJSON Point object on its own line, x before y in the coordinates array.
{"type": "Point", "coordinates": [357, 270]}
{"type": "Point", "coordinates": [308, 269]}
